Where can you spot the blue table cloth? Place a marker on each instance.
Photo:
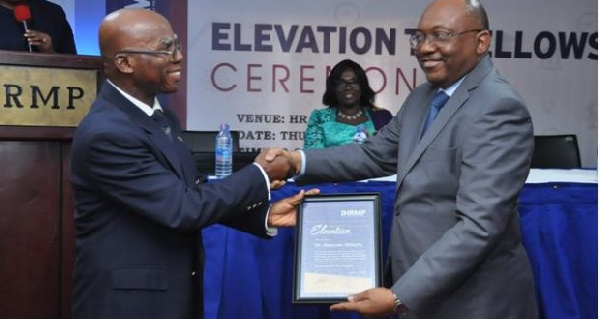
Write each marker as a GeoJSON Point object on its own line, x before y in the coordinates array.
{"type": "Point", "coordinates": [247, 277]}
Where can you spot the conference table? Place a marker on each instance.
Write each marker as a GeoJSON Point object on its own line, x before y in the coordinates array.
{"type": "Point", "coordinates": [248, 277]}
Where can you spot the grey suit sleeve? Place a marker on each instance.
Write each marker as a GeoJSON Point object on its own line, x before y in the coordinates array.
{"type": "Point", "coordinates": [494, 164]}
{"type": "Point", "coordinates": [376, 157]}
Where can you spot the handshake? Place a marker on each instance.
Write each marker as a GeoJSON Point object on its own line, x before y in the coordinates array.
{"type": "Point", "coordinates": [279, 164]}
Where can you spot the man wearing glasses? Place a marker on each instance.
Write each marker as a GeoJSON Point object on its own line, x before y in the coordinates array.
{"type": "Point", "coordinates": [460, 145]}
{"type": "Point", "coordinates": [140, 202]}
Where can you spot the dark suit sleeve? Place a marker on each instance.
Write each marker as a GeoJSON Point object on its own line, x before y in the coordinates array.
{"type": "Point", "coordinates": [253, 223]}
{"type": "Point", "coordinates": [67, 42]}
{"type": "Point", "coordinates": [62, 39]}
{"type": "Point", "coordinates": [128, 168]}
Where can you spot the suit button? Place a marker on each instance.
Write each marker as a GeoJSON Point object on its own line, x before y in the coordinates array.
{"type": "Point", "coordinates": [193, 274]}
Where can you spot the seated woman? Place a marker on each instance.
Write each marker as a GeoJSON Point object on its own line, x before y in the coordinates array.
{"type": "Point", "coordinates": [350, 104]}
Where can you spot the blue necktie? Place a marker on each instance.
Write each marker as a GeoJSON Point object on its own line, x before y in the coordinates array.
{"type": "Point", "coordinates": [438, 101]}
{"type": "Point", "coordinates": [161, 121]}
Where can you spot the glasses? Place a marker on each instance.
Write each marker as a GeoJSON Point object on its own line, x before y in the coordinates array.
{"type": "Point", "coordinates": [436, 37]}
{"type": "Point", "coordinates": [341, 84]}
{"type": "Point", "coordinates": [171, 53]}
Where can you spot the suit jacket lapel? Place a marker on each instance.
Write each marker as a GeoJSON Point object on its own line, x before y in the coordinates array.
{"type": "Point", "coordinates": [155, 133]}
{"type": "Point", "coordinates": [456, 101]}
{"type": "Point", "coordinates": [188, 163]}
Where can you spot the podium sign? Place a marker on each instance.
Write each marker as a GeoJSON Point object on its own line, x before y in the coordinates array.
{"type": "Point", "coordinates": [44, 96]}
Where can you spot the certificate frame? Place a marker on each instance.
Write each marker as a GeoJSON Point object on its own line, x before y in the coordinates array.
{"type": "Point", "coordinates": [337, 248]}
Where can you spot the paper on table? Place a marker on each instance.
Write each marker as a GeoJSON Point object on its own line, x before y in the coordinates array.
{"type": "Point", "coordinates": [537, 175]}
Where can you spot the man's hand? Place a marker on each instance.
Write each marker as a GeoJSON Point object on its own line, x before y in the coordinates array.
{"type": "Point", "coordinates": [293, 157]}
{"type": "Point", "coordinates": [283, 213]}
{"type": "Point", "coordinates": [39, 39]}
{"type": "Point", "coordinates": [279, 166]}
{"type": "Point", "coordinates": [276, 184]}
{"type": "Point", "coordinates": [372, 302]}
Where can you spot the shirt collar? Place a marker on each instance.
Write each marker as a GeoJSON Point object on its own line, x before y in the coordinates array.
{"type": "Point", "coordinates": [141, 105]}
{"type": "Point", "coordinates": [450, 90]}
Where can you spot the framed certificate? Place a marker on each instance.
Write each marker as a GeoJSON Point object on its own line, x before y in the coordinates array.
{"type": "Point", "coordinates": [338, 247]}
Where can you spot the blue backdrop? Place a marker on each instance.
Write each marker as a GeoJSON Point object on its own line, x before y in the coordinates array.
{"type": "Point", "coordinates": [89, 14]}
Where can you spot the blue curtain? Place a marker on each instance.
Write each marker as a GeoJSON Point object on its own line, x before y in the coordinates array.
{"type": "Point", "coordinates": [247, 277]}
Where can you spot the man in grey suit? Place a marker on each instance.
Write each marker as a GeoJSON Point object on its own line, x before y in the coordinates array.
{"type": "Point", "coordinates": [455, 247]}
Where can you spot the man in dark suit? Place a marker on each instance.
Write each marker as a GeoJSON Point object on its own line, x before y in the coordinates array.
{"type": "Point", "coordinates": [455, 246]}
{"type": "Point", "coordinates": [140, 202]}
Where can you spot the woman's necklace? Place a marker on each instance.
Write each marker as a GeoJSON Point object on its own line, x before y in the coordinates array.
{"type": "Point", "coordinates": [350, 117]}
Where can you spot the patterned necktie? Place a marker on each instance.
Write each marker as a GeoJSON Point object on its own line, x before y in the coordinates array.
{"type": "Point", "coordinates": [438, 101]}
{"type": "Point", "coordinates": [161, 121]}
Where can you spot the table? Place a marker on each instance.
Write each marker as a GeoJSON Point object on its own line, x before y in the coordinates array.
{"type": "Point", "coordinates": [248, 277]}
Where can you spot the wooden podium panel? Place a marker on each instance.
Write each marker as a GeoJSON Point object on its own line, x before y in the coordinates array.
{"type": "Point", "coordinates": [30, 228]}
{"type": "Point", "coordinates": [37, 247]}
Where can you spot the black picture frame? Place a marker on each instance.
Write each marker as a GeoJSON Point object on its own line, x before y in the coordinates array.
{"type": "Point", "coordinates": [338, 247]}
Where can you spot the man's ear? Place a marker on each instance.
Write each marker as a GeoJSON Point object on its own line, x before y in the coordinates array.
{"type": "Point", "coordinates": [484, 39]}
{"type": "Point", "coordinates": [124, 63]}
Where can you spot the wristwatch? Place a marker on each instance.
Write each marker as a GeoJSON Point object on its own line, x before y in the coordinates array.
{"type": "Point", "coordinates": [399, 307]}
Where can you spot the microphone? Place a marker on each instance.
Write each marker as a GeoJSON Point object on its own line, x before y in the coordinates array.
{"type": "Point", "coordinates": [22, 15]}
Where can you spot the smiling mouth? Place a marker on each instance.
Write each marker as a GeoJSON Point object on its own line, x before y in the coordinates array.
{"type": "Point", "coordinates": [176, 74]}
{"type": "Point", "coordinates": [349, 96]}
{"type": "Point", "coordinates": [430, 63]}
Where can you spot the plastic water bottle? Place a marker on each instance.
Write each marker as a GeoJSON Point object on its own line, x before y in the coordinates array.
{"type": "Point", "coordinates": [360, 135]}
{"type": "Point", "coordinates": [223, 152]}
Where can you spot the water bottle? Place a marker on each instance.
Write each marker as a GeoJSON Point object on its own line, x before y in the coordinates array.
{"type": "Point", "coordinates": [223, 152]}
{"type": "Point", "coordinates": [360, 135]}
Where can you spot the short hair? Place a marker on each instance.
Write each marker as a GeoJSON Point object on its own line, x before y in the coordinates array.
{"type": "Point", "coordinates": [476, 9]}
{"type": "Point", "coordinates": [367, 95]}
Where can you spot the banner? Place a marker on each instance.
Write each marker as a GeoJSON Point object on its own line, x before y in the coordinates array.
{"type": "Point", "coordinates": [261, 66]}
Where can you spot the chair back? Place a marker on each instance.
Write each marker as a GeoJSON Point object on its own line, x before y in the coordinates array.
{"type": "Point", "coordinates": [556, 151]}
{"type": "Point", "coordinates": [204, 141]}
{"type": "Point", "coordinates": [202, 145]}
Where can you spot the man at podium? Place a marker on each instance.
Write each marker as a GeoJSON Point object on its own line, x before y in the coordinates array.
{"type": "Point", "coordinates": [35, 26]}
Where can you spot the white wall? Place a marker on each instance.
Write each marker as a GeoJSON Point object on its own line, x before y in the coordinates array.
{"type": "Point", "coordinates": [560, 91]}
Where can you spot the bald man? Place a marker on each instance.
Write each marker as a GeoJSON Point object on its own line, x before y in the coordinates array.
{"type": "Point", "coordinates": [460, 147]}
{"type": "Point", "coordinates": [140, 202]}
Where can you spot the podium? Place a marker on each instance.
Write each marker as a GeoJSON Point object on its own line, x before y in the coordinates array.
{"type": "Point", "coordinates": [39, 94]}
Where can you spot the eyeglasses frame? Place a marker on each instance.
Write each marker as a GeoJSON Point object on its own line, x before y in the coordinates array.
{"type": "Point", "coordinates": [428, 37]}
{"type": "Point", "coordinates": [171, 53]}
{"type": "Point", "coordinates": [341, 84]}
